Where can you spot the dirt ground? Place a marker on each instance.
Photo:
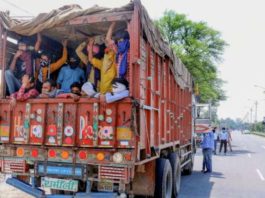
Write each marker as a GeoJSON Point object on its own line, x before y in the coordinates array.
{"type": "Point", "coordinates": [7, 191]}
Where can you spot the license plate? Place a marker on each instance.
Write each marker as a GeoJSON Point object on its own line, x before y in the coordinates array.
{"type": "Point", "coordinates": [59, 184]}
{"type": "Point", "coordinates": [105, 185]}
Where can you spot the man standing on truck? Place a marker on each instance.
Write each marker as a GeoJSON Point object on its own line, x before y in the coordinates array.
{"type": "Point", "coordinates": [207, 145]}
{"type": "Point", "coordinates": [92, 73]}
{"type": "Point", "coordinates": [115, 62]}
{"type": "Point", "coordinates": [45, 67]}
{"type": "Point", "coordinates": [21, 64]}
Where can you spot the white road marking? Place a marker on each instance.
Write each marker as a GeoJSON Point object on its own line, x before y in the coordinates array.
{"type": "Point", "coordinates": [260, 174]}
{"type": "Point", "coordinates": [263, 147]}
{"type": "Point", "coordinates": [249, 155]}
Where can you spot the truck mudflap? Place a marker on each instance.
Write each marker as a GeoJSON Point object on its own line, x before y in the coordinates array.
{"type": "Point", "coordinates": [39, 193]}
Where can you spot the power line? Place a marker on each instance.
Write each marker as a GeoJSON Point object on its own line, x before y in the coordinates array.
{"type": "Point", "coordinates": [14, 5]}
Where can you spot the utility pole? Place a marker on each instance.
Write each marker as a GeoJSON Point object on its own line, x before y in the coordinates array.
{"type": "Point", "coordinates": [256, 111]}
{"type": "Point", "coordinates": [251, 115]}
{"type": "Point", "coordinates": [256, 115]}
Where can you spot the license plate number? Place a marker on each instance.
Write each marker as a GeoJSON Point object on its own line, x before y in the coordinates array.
{"type": "Point", "coordinates": [106, 186]}
{"type": "Point", "coordinates": [59, 184]}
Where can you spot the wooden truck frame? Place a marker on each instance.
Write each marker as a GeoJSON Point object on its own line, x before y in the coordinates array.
{"type": "Point", "coordinates": [149, 141]}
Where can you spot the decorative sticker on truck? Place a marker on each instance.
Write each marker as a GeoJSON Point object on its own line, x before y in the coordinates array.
{"type": "Point", "coordinates": [19, 132]}
{"type": "Point", "coordinates": [27, 122]}
{"type": "Point", "coordinates": [87, 135]}
{"type": "Point", "coordinates": [60, 123]}
{"type": "Point", "coordinates": [68, 135]}
{"type": "Point", "coordinates": [124, 136]}
{"type": "Point", "coordinates": [51, 134]}
{"type": "Point", "coordinates": [95, 124]}
{"type": "Point", "coordinates": [105, 135]}
{"type": "Point", "coordinates": [36, 134]}
{"type": "Point", "coordinates": [4, 133]}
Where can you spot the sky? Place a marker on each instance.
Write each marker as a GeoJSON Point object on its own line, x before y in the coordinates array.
{"type": "Point", "coordinates": [241, 23]}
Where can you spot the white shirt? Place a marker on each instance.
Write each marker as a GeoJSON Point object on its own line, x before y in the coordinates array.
{"type": "Point", "coordinates": [215, 136]}
{"type": "Point", "coordinates": [223, 135]}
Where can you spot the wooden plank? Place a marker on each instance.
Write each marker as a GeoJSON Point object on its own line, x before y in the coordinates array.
{"type": "Point", "coordinates": [103, 17]}
{"type": "Point", "coordinates": [3, 37]}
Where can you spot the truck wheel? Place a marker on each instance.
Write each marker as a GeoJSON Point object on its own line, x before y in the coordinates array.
{"type": "Point", "coordinates": [187, 170]}
{"type": "Point", "coordinates": [176, 170]}
{"type": "Point", "coordinates": [163, 186]}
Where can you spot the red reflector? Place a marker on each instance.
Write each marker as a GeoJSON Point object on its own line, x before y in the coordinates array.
{"type": "Point", "coordinates": [52, 153]}
{"type": "Point", "coordinates": [34, 153]}
{"type": "Point", "coordinates": [82, 155]}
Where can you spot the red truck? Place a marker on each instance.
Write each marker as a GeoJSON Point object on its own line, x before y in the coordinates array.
{"type": "Point", "coordinates": [136, 146]}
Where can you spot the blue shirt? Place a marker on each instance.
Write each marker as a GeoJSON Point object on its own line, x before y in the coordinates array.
{"type": "Point", "coordinates": [208, 140]}
{"type": "Point", "coordinates": [68, 76]}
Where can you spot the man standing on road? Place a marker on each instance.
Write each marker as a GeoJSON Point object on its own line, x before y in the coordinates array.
{"type": "Point", "coordinates": [207, 145]}
{"type": "Point", "coordinates": [223, 139]}
{"type": "Point", "coordinates": [229, 140]}
{"type": "Point", "coordinates": [215, 139]}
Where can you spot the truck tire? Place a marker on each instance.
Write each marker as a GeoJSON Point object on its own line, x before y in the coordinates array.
{"type": "Point", "coordinates": [163, 186]}
{"type": "Point", "coordinates": [176, 170]}
{"type": "Point", "coordinates": [187, 170]}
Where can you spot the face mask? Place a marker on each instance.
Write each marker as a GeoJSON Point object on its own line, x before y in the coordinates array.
{"type": "Point", "coordinates": [43, 63]}
{"type": "Point", "coordinates": [118, 87]}
{"type": "Point", "coordinates": [73, 65]}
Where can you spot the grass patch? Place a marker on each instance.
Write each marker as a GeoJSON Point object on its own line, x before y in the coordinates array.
{"type": "Point", "coordinates": [258, 133]}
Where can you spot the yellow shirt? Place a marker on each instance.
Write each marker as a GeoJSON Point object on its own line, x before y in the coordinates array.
{"type": "Point", "coordinates": [107, 70]}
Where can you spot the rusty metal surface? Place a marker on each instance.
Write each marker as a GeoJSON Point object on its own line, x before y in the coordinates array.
{"type": "Point", "coordinates": [143, 183]}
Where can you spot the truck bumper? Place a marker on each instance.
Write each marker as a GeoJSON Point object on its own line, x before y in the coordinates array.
{"type": "Point", "coordinates": [38, 193]}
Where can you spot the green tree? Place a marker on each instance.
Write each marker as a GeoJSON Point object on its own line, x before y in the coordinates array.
{"type": "Point", "coordinates": [200, 48]}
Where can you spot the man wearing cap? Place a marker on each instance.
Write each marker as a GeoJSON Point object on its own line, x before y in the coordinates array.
{"type": "Point", "coordinates": [21, 64]}
{"type": "Point", "coordinates": [207, 145]}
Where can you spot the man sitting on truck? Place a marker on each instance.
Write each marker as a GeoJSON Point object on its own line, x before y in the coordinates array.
{"type": "Point", "coordinates": [75, 92]}
{"type": "Point", "coordinates": [25, 92]}
{"type": "Point", "coordinates": [120, 90]}
{"type": "Point", "coordinates": [45, 68]}
{"type": "Point", "coordinates": [49, 89]}
{"type": "Point", "coordinates": [21, 64]}
{"type": "Point", "coordinates": [70, 74]}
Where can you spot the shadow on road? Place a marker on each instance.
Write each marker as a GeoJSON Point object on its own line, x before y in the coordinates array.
{"type": "Point", "coordinates": [235, 153]}
{"type": "Point", "coordinates": [198, 185]}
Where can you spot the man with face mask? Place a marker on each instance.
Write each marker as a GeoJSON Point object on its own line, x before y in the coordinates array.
{"type": "Point", "coordinates": [45, 68]}
{"type": "Point", "coordinates": [70, 74]}
{"type": "Point", "coordinates": [114, 63]}
{"type": "Point", "coordinates": [21, 64]}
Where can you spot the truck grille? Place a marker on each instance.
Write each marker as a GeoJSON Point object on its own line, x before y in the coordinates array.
{"type": "Point", "coordinates": [113, 173]}
{"type": "Point", "coordinates": [13, 166]}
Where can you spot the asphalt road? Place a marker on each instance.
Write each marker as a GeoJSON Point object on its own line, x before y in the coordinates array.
{"type": "Point", "coordinates": [238, 174]}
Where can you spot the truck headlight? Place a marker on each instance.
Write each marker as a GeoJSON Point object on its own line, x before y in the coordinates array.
{"type": "Point", "coordinates": [117, 157]}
